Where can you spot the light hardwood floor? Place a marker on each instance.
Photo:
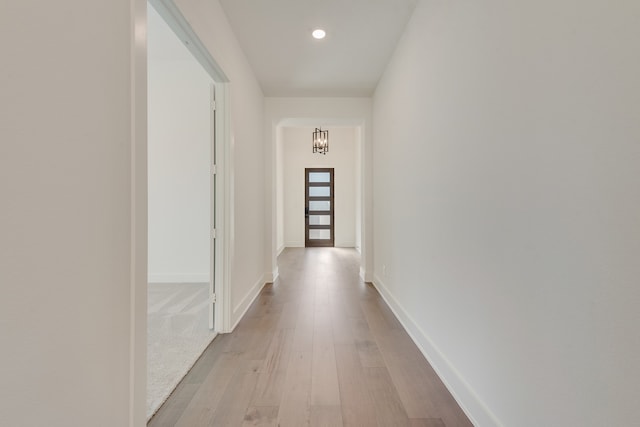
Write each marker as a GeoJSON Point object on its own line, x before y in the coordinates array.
{"type": "Point", "coordinates": [318, 347]}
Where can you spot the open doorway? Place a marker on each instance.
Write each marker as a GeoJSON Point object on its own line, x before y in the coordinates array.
{"type": "Point", "coordinates": [181, 191]}
{"type": "Point", "coordinates": [324, 208]}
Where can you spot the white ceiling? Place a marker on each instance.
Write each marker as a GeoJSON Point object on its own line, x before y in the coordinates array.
{"type": "Point", "coordinates": [276, 38]}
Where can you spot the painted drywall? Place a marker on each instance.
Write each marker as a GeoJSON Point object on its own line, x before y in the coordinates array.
{"type": "Point", "coordinates": [279, 181]}
{"type": "Point", "coordinates": [507, 237]}
{"type": "Point", "coordinates": [359, 189]}
{"type": "Point", "coordinates": [298, 155]}
{"type": "Point", "coordinates": [247, 270]}
{"type": "Point", "coordinates": [179, 150]}
{"type": "Point", "coordinates": [288, 112]}
{"type": "Point", "coordinates": [73, 215]}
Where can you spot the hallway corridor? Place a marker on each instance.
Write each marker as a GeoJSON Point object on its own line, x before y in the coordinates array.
{"type": "Point", "coordinates": [318, 347]}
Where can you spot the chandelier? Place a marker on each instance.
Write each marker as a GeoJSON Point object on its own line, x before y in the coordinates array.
{"type": "Point", "coordinates": [320, 141]}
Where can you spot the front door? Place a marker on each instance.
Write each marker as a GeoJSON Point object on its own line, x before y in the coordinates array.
{"type": "Point", "coordinates": [319, 219]}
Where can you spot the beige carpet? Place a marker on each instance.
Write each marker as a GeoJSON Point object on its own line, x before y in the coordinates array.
{"type": "Point", "coordinates": [178, 332]}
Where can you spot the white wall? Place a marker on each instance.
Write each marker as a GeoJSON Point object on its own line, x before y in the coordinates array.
{"type": "Point", "coordinates": [506, 153]}
{"type": "Point", "coordinates": [247, 270]}
{"type": "Point", "coordinates": [298, 155]}
{"type": "Point", "coordinates": [359, 190]}
{"type": "Point", "coordinates": [72, 216]}
{"type": "Point", "coordinates": [279, 182]}
{"type": "Point", "coordinates": [179, 147]}
{"type": "Point", "coordinates": [288, 112]}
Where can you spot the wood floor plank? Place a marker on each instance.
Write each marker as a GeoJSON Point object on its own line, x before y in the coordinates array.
{"type": "Point", "coordinates": [205, 363]}
{"type": "Point", "coordinates": [203, 404]}
{"type": "Point", "coordinates": [296, 399]}
{"type": "Point", "coordinates": [388, 315]}
{"type": "Point", "coordinates": [277, 357]}
{"type": "Point", "coordinates": [263, 334]}
{"type": "Point", "coordinates": [174, 407]}
{"type": "Point", "coordinates": [261, 416]}
{"type": "Point", "coordinates": [273, 371]}
{"type": "Point", "coordinates": [303, 334]}
{"type": "Point", "coordinates": [411, 388]}
{"type": "Point", "coordinates": [358, 406]}
{"type": "Point", "coordinates": [388, 407]}
{"type": "Point", "coordinates": [326, 416]}
{"type": "Point", "coordinates": [236, 397]}
{"type": "Point", "coordinates": [427, 422]}
{"type": "Point", "coordinates": [253, 336]}
{"type": "Point", "coordinates": [322, 310]}
{"type": "Point", "coordinates": [324, 385]}
{"type": "Point", "coordinates": [368, 350]}
{"type": "Point", "coordinates": [376, 322]}
{"type": "Point", "coordinates": [341, 331]}
{"type": "Point", "coordinates": [422, 393]}
{"type": "Point", "coordinates": [341, 318]}
{"type": "Point", "coordinates": [289, 315]}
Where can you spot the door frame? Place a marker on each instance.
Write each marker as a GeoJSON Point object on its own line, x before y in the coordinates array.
{"type": "Point", "coordinates": [212, 208]}
{"type": "Point", "coordinates": [223, 206]}
{"type": "Point", "coordinates": [221, 193]}
{"type": "Point", "coordinates": [223, 211]}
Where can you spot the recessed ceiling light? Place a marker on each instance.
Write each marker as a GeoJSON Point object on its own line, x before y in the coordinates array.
{"type": "Point", "coordinates": [318, 34]}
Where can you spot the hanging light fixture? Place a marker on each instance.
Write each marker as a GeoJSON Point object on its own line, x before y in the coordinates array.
{"type": "Point", "coordinates": [320, 141]}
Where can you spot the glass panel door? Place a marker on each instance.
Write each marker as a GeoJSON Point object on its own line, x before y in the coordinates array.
{"type": "Point", "coordinates": [319, 196]}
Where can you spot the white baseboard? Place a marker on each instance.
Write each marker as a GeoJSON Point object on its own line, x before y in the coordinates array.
{"type": "Point", "coordinates": [364, 276]}
{"type": "Point", "coordinates": [273, 276]}
{"type": "Point", "coordinates": [178, 278]}
{"type": "Point", "coordinates": [461, 391]}
{"type": "Point", "coordinates": [241, 309]}
{"type": "Point", "coordinates": [302, 245]}
{"type": "Point", "coordinates": [351, 245]}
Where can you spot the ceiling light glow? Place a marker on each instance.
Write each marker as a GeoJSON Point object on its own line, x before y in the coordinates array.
{"type": "Point", "coordinates": [318, 34]}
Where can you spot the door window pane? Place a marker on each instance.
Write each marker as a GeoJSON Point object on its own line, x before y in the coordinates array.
{"type": "Point", "coordinates": [319, 191]}
{"type": "Point", "coordinates": [319, 234]}
{"type": "Point", "coordinates": [323, 205]}
{"type": "Point", "coordinates": [319, 176]}
{"type": "Point", "coordinates": [319, 219]}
